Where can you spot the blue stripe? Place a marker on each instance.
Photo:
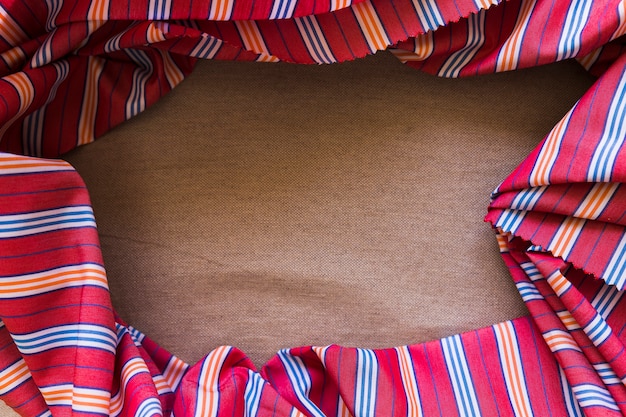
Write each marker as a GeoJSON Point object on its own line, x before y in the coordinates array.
{"type": "Point", "coordinates": [430, 24]}
{"type": "Point", "coordinates": [65, 339]}
{"type": "Point", "coordinates": [619, 273]}
{"type": "Point", "coordinates": [457, 353]}
{"type": "Point", "coordinates": [572, 30]}
{"type": "Point", "coordinates": [610, 126]}
{"type": "Point", "coordinates": [459, 58]}
{"type": "Point", "coordinates": [61, 332]}
{"type": "Point", "coordinates": [50, 216]}
{"type": "Point", "coordinates": [317, 44]}
{"type": "Point", "coordinates": [19, 229]}
{"type": "Point", "coordinates": [283, 5]}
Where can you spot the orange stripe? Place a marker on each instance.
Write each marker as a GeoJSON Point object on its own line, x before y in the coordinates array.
{"type": "Point", "coordinates": [95, 67]}
{"type": "Point", "coordinates": [34, 165]}
{"type": "Point", "coordinates": [404, 363]}
{"type": "Point", "coordinates": [22, 86]}
{"type": "Point", "coordinates": [250, 36]}
{"type": "Point", "coordinates": [221, 349]}
{"type": "Point", "coordinates": [64, 391]}
{"type": "Point", "coordinates": [570, 231]}
{"type": "Point", "coordinates": [510, 48]}
{"type": "Point", "coordinates": [544, 162]}
{"type": "Point", "coordinates": [518, 394]}
{"type": "Point", "coordinates": [37, 287]}
{"type": "Point", "coordinates": [58, 274]}
{"type": "Point", "coordinates": [15, 375]}
{"type": "Point", "coordinates": [173, 371]}
{"type": "Point", "coordinates": [223, 9]}
{"type": "Point", "coordinates": [12, 30]}
{"type": "Point", "coordinates": [597, 201]}
{"type": "Point", "coordinates": [558, 283]}
{"type": "Point", "coordinates": [205, 383]}
{"type": "Point", "coordinates": [96, 400]}
{"type": "Point", "coordinates": [257, 39]}
{"type": "Point", "coordinates": [99, 10]}
{"type": "Point", "coordinates": [129, 370]}
{"type": "Point", "coordinates": [92, 396]}
{"type": "Point", "coordinates": [361, 8]}
{"type": "Point", "coordinates": [39, 161]}
{"type": "Point", "coordinates": [246, 35]}
{"type": "Point", "coordinates": [379, 34]}
{"type": "Point", "coordinates": [14, 56]}
{"type": "Point", "coordinates": [516, 36]}
{"type": "Point", "coordinates": [566, 341]}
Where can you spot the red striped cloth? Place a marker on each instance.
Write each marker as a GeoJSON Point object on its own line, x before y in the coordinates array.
{"type": "Point", "coordinates": [71, 71]}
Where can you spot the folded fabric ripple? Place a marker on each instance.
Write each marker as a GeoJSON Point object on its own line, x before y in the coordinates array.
{"type": "Point", "coordinates": [70, 71]}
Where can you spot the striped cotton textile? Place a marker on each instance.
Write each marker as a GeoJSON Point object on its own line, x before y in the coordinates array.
{"type": "Point", "coordinates": [70, 71]}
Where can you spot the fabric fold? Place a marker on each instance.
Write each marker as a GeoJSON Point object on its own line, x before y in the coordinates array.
{"type": "Point", "coordinates": [71, 72]}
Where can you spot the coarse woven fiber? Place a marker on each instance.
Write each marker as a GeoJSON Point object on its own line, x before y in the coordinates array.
{"type": "Point", "coordinates": [274, 205]}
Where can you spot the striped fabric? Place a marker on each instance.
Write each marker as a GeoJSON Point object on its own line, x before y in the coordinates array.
{"type": "Point", "coordinates": [70, 71]}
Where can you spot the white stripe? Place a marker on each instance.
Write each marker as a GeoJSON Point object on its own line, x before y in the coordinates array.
{"type": "Point", "coordinates": [605, 301]}
{"type": "Point", "coordinates": [573, 409]}
{"type": "Point", "coordinates": [33, 135]}
{"type": "Point", "coordinates": [207, 47]}
{"type": "Point", "coordinates": [462, 383]}
{"type": "Point", "coordinates": [211, 368]}
{"type": "Point", "coordinates": [509, 354]}
{"type": "Point", "coordinates": [568, 320]}
{"type": "Point", "coordinates": [253, 392]}
{"type": "Point", "coordinates": [594, 197]}
{"type": "Point", "coordinates": [514, 42]}
{"type": "Point", "coordinates": [366, 16]}
{"type": "Point", "coordinates": [612, 139]}
{"type": "Point", "coordinates": [409, 382]}
{"type": "Point", "coordinates": [300, 380]}
{"type": "Point", "coordinates": [35, 217]}
{"type": "Point", "coordinates": [540, 174]}
{"type": "Point", "coordinates": [621, 29]}
{"type": "Point", "coordinates": [43, 55]}
{"type": "Point", "coordinates": [283, 9]}
{"type": "Point", "coordinates": [13, 376]}
{"type": "Point", "coordinates": [528, 291]}
{"type": "Point", "coordinates": [566, 236]}
{"type": "Point", "coordinates": [606, 373]}
{"type": "Point", "coordinates": [159, 9]}
{"type": "Point", "coordinates": [475, 40]}
{"type": "Point", "coordinates": [510, 220]}
{"type": "Point", "coordinates": [315, 40]}
{"type": "Point", "coordinates": [217, 10]}
{"type": "Point", "coordinates": [68, 335]}
{"type": "Point", "coordinates": [527, 198]}
{"type": "Point", "coordinates": [17, 81]}
{"type": "Point", "coordinates": [53, 7]}
{"type": "Point", "coordinates": [136, 101]}
{"type": "Point", "coordinates": [615, 274]}
{"type": "Point", "coordinates": [560, 340]}
{"type": "Point", "coordinates": [591, 396]}
{"type": "Point", "coordinates": [366, 383]}
{"type": "Point", "coordinates": [597, 330]}
{"type": "Point", "coordinates": [42, 282]}
{"type": "Point", "coordinates": [575, 22]}
{"type": "Point", "coordinates": [149, 408]}
{"type": "Point", "coordinates": [428, 14]}
{"type": "Point", "coordinates": [174, 372]}
{"type": "Point", "coordinates": [531, 271]}
{"type": "Point", "coordinates": [80, 399]}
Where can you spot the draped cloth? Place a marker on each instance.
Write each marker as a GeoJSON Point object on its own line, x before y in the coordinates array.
{"type": "Point", "coordinates": [71, 71]}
